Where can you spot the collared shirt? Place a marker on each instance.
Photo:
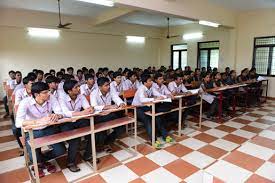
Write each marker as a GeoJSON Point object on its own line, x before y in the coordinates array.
{"type": "Point", "coordinates": [173, 87]}
{"type": "Point", "coordinates": [69, 106]}
{"type": "Point", "coordinates": [80, 81]}
{"type": "Point", "coordinates": [60, 90]}
{"type": "Point", "coordinates": [10, 81]}
{"type": "Point", "coordinates": [13, 84]}
{"type": "Point", "coordinates": [20, 94]}
{"type": "Point", "coordinates": [98, 101]}
{"type": "Point", "coordinates": [85, 90]}
{"type": "Point", "coordinates": [29, 110]}
{"type": "Point", "coordinates": [143, 94]}
{"type": "Point", "coordinates": [115, 88]}
{"type": "Point", "coordinates": [161, 89]}
{"type": "Point", "coordinates": [129, 85]}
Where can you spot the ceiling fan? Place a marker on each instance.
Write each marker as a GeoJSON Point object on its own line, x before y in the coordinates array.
{"type": "Point", "coordinates": [60, 25]}
{"type": "Point", "coordinates": [168, 36]}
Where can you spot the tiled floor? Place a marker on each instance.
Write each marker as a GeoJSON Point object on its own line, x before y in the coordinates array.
{"type": "Point", "coordinates": [239, 150]}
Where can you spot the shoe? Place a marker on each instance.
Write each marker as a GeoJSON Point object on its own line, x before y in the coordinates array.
{"type": "Point", "coordinates": [40, 171]}
{"type": "Point", "coordinates": [73, 168]}
{"type": "Point", "coordinates": [169, 139]}
{"type": "Point", "coordinates": [158, 145]}
{"type": "Point", "coordinates": [90, 159]}
{"type": "Point", "coordinates": [21, 152]}
{"type": "Point", "coordinates": [50, 167]}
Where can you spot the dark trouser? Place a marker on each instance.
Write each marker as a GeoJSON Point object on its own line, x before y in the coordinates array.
{"type": "Point", "coordinates": [147, 121]}
{"type": "Point", "coordinates": [16, 131]}
{"type": "Point", "coordinates": [5, 101]}
{"type": "Point", "coordinates": [58, 148]}
{"type": "Point", "coordinates": [213, 108]}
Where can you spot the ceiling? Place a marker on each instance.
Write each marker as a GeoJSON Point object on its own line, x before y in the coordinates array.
{"type": "Point", "coordinates": [243, 5]}
{"type": "Point", "coordinates": [150, 19]}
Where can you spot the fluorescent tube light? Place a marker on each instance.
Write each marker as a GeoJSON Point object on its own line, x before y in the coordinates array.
{"type": "Point", "coordinates": [197, 35]}
{"type": "Point", "coordinates": [135, 39]}
{"type": "Point", "coordinates": [211, 24]}
{"type": "Point", "coordinates": [41, 32]}
{"type": "Point", "coordinates": [109, 3]}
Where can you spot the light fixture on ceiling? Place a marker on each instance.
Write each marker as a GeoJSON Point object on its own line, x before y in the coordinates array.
{"type": "Point", "coordinates": [42, 32]}
{"type": "Point", "coordinates": [189, 36]}
{"type": "Point", "coordinates": [207, 23]}
{"type": "Point", "coordinates": [135, 39]}
{"type": "Point", "coordinates": [109, 3]}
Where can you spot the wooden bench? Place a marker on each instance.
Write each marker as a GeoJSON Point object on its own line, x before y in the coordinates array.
{"type": "Point", "coordinates": [76, 133]}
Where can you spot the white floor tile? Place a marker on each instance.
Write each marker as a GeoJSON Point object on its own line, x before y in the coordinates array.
{"type": "Point", "coordinates": [268, 134]}
{"type": "Point", "coordinates": [194, 134]}
{"type": "Point", "coordinates": [160, 175]}
{"type": "Point", "coordinates": [244, 134]}
{"type": "Point", "coordinates": [250, 118]}
{"type": "Point", "coordinates": [216, 133]}
{"type": "Point", "coordinates": [193, 143]}
{"type": "Point", "coordinates": [256, 150]}
{"type": "Point", "coordinates": [12, 164]}
{"type": "Point", "coordinates": [228, 172]}
{"type": "Point", "coordinates": [122, 155]}
{"type": "Point", "coordinates": [270, 118]}
{"type": "Point", "coordinates": [120, 174]}
{"type": "Point", "coordinates": [71, 176]}
{"type": "Point", "coordinates": [234, 124]}
{"type": "Point", "coordinates": [187, 131]}
{"type": "Point", "coordinates": [199, 177]}
{"type": "Point", "coordinates": [198, 159]}
{"type": "Point", "coordinates": [4, 123]}
{"type": "Point", "coordinates": [8, 145]}
{"type": "Point", "coordinates": [224, 144]}
{"type": "Point", "coordinates": [130, 141]}
{"type": "Point", "coordinates": [210, 124]}
{"type": "Point", "coordinates": [162, 157]}
{"type": "Point", "coordinates": [259, 125]}
{"type": "Point", "coordinates": [5, 133]}
{"type": "Point", "coordinates": [267, 170]}
{"type": "Point", "coordinates": [260, 112]}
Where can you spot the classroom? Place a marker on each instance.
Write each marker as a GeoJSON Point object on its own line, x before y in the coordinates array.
{"type": "Point", "coordinates": [118, 91]}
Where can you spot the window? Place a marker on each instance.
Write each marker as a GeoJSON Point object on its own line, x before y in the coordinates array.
{"type": "Point", "coordinates": [208, 54]}
{"type": "Point", "coordinates": [264, 55]}
{"type": "Point", "coordinates": [179, 56]}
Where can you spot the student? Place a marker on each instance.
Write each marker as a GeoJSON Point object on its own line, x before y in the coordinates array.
{"type": "Point", "coordinates": [243, 77]}
{"type": "Point", "coordinates": [25, 92]}
{"type": "Point", "coordinates": [90, 85]}
{"type": "Point", "coordinates": [79, 77]}
{"type": "Point", "coordinates": [40, 76]}
{"type": "Point", "coordinates": [17, 83]}
{"type": "Point", "coordinates": [71, 104]}
{"type": "Point", "coordinates": [160, 87]}
{"type": "Point", "coordinates": [101, 99]}
{"type": "Point", "coordinates": [131, 82]}
{"type": "Point", "coordinates": [217, 80]}
{"type": "Point", "coordinates": [70, 71]}
{"type": "Point", "coordinates": [232, 78]}
{"type": "Point", "coordinates": [52, 72]}
{"type": "Point", "coordinates": [146, 94]}
{"type": "Point", "coordinates": [59, 75]}
{"type": "Point", "coordinates": [53, 82]}
{"type": "Point", "coordinates": [62, 70]}
{"type": "Point", "coordinates": [5, 99]}
{"type": "Point", "coordinates": [65, 77]}
{"type": "Point", "coordinates": [37, 110]}
{"type": "Point", "coordinates": [116, 86]}
{"type": "Point", "coordinates": [177, 87]}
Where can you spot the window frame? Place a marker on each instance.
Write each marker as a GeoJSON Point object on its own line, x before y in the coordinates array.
{"type": "Point", "coordinates": [270, 46]}
{"type": "Point", "coordinates": [208, 52]}
{"type": "Point", "coordinates": [172, 53]}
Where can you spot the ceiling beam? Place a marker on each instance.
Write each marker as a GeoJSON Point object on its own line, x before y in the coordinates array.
{"type": "Point", "coordinates": [111, 15]}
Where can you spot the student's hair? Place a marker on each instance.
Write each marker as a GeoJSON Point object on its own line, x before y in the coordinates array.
{"type": "Point", "coordinates": [101, 81]}
{"type": "Point", "coordinates": [40, 72]}
{"type": "Point", "coordinates": [84, 69]}
{"type": "Point", "coordinates": [51, 79]}
{"type": "Point", "coordinates": [18, 72]}
{"type": "Point", "coordinates": [52, 70]}
{"type": "Point", "coordinates": [105, 69]}
{"type": "Point", "coordinates": [145, 77]}
{"type": "Point", "coordinates": [130, 74]}
{"type": "Point", "coordinates": [197, 69]}
{"type": "Point", "coordinates": [70, 68]}
{"type": "Point", "coordinates": [27, 79]}
{"type": "Point", "coordinates": [11, 72]}
{"type": "Point", "coordinates": [116, 74]}
{"type": "Point", "coordinates": [88, 76]}
{"type": "Point", "coordinates": [34, 70]}
{"type": "Point", "coordinates": [91, 70]}
{"type": "Point", "coordinates": [158, 75]}
{"type": "Point", "coordinates": [245, 69]}
{"type": "Point", "coordinates": [78, 71]}
{"type": "Point", "coordinates": [97, 74]}
{"type": "Point", "coordinates": [67, 77]}
{"type": "Point", "coordinates": [176, 76]}
{"type": "Point", "coordinates": [47, 75]}
{"type": "Point", "coordinates": [227, 68]}
{"type": "Point", "coordinates": [215, 74]}
{"type": "Point", "coordinates": [59, 74]}
{"type": "Point", "coordinates": [39, 87]}
{"type": "Point", "coordinates": [62, 70]}
{"type": "Point", "coordinates": [231, 72]}
{"type": "Point", "coordinates": [32, 74]}
{"type": "Point", "coordinates": [69, 85]}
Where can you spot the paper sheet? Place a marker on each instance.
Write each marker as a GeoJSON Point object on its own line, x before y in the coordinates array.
{"type": "Point", "coordinates": [194, 91]}
{"type": "Point", "coordinates": [260, 78]}
{"type": "Point", "coordinates": [208, 98]}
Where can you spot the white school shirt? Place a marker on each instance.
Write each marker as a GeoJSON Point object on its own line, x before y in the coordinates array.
{"type": "Point", "coordinates": [143, 94]}
{"type": "Point", "coordinates": [98, 101]}
{"type": "Point", "coordinates": [116, 89]}
{"type": "Point", "coordinates": [29, 110]}
{"type": "Point", "coordinates": [69, 106]}
{"type": "Point", "coordinates": [161, 89]}
{"type": "Point", "coordinates": [172, 86]}
{"type": "Point", "coordinates": [20, 94]}
{"type": "Point", "coordinates": [80, 81]}
{"type": "Point", "coordinates": [85, 90]}
{"type": "Point", "coordinates": [60, 90]}
{"type": "Point", "coordinates": [129, 85]}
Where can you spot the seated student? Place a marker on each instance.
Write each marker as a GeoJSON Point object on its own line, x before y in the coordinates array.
{"type": "Point", "coordinates": [25, 92]}
{"type": "Point", "coordinates": [243, 77]}
{"type": "Point", "coordinates": [53, 82]}
{"type": "Point", "coordinates": [71, 104]}
{"type": "Point", "coordinates": [5, 99]}
{"type": "Point", "coordinates": [52, 72]}
{"type": "Point", "coordinates": [40, 76]}
{"type": "Point", "coordinates": [38, 110]}
{"type": "Point", "coordinates": [160, 87]}
{"type": "Point", "coordinates": [85, 70]}
{"type": "Point", "coordinates": [116, 86]}
{"type": "Point", "coordinates": [101, 99]}
{"type": "Point", "coordinates": [217, 80]}
{"type": "Point", "coordinates": [90, 85]}
{"type": "Point", "coordinates": [17, 83]}
{"type": "Point", "coordinates": [62, 70]}
{"type": "Point", "coordinates": [255, 88]}
{"type": "Point", "coordinates": [232, 78]}
{"type": "Point", "coordinates": [211, 99]}
{"type": "Point", "coordinates": [144, 94]}
{"type": "Point", "coordinates": [177, 87]}
{"type": "Point", "coordinates": [79, 77]}
{"type": "Point", "coordinates": [60, 89]}
{"type": "Point", "coordinates": [131, 82]}
{"type": "Point", "coordinates": [59, 75]}
{"type": "Point", "coordinates": [70, 71]}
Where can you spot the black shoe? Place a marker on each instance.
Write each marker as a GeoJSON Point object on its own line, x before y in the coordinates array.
{"type": "Point", "coordinates": [90, 158]}
{"type": "Point", "coordinates": [73, 168]}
